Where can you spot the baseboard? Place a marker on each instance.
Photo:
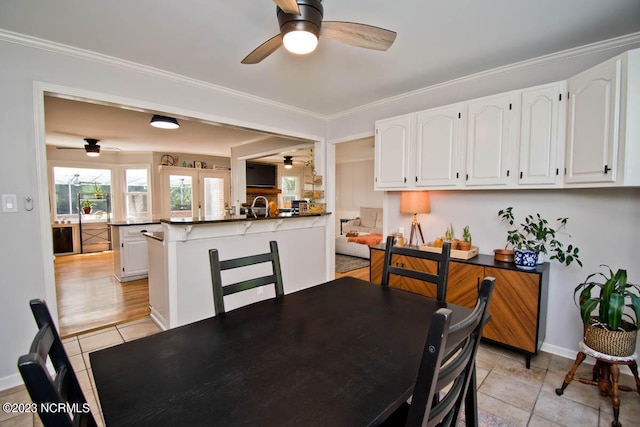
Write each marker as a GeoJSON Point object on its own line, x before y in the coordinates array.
{"type": "Point", "coordinates": [11, 381]}
{"type": "Point", "coordinates": [158, 319]}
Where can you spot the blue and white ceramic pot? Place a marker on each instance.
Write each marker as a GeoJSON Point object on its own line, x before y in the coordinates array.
{"type": "Point", "coordinates": [525, 259]}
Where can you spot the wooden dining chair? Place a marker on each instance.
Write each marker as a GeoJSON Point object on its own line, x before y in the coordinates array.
{"type": "Point", "coordinates": [442, 261]}
{"type": "Point", "coordinates": [51, 394]}
{"type": "Point", "coordinates": [446, 380]}
{"type": "Point", "coordinates": [217, 266]}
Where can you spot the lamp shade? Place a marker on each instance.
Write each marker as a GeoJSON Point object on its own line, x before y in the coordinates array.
{"type": "Point", "coordinates": [415, 202]}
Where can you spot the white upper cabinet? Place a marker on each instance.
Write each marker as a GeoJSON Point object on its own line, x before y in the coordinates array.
{"type": "Point", "coordinates": [603, 130]}
{"type": "Point", "coordinates": [437, 145]}
{"type": "Point", "coordinates": [542, 124]}
{"type": "Point", "coordinates": [593, 125]}
{"type": "Point", "coordinates": [393, 142]}
{"type": "Point", "coordinates": [530, 138]}
{"type": "Point", "coordinates": [488, 141]}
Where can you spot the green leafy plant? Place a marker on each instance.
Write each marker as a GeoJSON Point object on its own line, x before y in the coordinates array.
{"type": "Point", "coordinates": [615, 291]}
{"type": "Point", "coordinates": [96, 189]}
{"type": "Point", "coordinates": [466, 234]}
{"type": "Point", "coordinates": [87, 204]}
{"type": "Point", "coordinates": [536, 234]}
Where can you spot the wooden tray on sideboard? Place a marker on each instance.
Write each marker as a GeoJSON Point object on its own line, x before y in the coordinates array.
{"type": "Point", "coordinates": [455, 253]}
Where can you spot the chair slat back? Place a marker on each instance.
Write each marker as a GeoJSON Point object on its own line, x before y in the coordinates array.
{"type": "Point", "coordinates": [220, 290]}
{"type": "Point", "coordinates": [443, 379]}
{"type": "Point", "coordinates": [44, 390]}
{"type": "Point", "coordinates": [439, 279]}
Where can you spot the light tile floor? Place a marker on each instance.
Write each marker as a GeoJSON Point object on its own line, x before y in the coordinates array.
{"type": "Point", "coordinates": [522, 397]}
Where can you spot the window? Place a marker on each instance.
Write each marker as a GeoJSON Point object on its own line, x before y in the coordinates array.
{"type": "Point", "coordinates": [136, 193]}
{"type": "Point", "coordinates": [69, 182]}
{"type": "Point", "coordinates": [290, 189]}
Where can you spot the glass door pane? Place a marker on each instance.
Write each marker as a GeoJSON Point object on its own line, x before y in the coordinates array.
{"type": "Point", "coordinates": [214, 203]}
{"type": "Point", "coordinates": [181, 196]}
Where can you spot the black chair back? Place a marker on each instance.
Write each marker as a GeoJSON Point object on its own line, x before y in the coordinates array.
{"type": "Point", "coordinates": [217, 266]}
{"type": "Point", "coordinates": [444, 381]}
{"type": "Point", "coordinates": [439, 279]}
{"type": "Point", "coordinates": [60, 401]}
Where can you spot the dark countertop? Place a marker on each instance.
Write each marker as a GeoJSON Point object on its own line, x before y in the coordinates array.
{"type": "Point", "coordinates": [235, 218]}
{"type": "Point", "coordinates": [485, 261]}
{"type": "Point", "coordinates": [134, 222]}
{"type": "Point", "coordinates": [155, 235]}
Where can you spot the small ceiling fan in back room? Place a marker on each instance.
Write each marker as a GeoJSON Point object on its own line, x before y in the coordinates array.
{"type": "Point", "coordinates": [301, 25]}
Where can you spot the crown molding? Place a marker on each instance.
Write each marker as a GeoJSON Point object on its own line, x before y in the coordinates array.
{"type": "Point", "coordinates": [614, 43]}
{"type": "Point", "coordinates": [62, 49]}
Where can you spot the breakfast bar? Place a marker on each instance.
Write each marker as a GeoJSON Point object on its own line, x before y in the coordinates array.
{"type": "Point", "coordinates": [179, 273]}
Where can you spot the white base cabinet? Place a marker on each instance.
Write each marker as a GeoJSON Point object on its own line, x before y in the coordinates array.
{"type": "Point", "coordinates": [130, 257]}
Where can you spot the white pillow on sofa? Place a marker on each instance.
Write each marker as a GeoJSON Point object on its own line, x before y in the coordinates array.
{"type": "Point", "coordinates": [368, 217]}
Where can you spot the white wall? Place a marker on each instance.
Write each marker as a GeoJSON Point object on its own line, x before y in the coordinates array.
{"type": "Point", "coordinates": [26, 259]}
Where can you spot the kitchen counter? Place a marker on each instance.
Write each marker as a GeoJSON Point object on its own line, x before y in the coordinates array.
{"type": "Point", "coordinates": [180, 274]}
{"type": "Point", "coordinates": [134, 222]}
{"type": "Point", "coordinates": [237, 218]}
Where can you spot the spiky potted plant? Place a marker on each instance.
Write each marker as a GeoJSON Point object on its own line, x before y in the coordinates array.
{"type": "Point", "coordinates": [617, 302]}
{"type": "Point", "coordinates": [465, 244]}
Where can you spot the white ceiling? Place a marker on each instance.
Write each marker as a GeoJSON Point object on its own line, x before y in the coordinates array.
{"type": "Point", "coordinates": [438, 40]}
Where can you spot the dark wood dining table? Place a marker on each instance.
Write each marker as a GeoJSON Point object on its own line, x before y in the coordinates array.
{"type": "Point", "coordinates": [343, 353]}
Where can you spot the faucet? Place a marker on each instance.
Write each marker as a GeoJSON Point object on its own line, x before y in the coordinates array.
{"type": "Point", "coordinates": [266, 206]}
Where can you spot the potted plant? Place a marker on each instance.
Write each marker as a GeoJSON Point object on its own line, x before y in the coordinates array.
{"type": "Point", "coordinates": [536, 235]}
{"type": "Point", "coordinates": [86, 207]}
{"type": "Point", "coordinates": [450, 236]}
{"type": "Point", "coordinates": [97, 190]}
{"type": "Point", "coordinates": [465, 244]}
{"type": "Point", "coordinates": [614, 330]}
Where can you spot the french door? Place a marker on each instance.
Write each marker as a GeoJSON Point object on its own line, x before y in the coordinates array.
{"type": "Point", "coordinates": [189, 193]}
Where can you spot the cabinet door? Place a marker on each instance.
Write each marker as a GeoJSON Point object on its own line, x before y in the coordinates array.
{"type": "Point", "coordinates": [513, 309]}
{"type": "Point", "coordinates": [593, 124]}
{"type": "Point", "coordinates": [134, 256]}
{"type": "Point", "coordinates": [540, 132]}
{"type": "Point", "coordinates": [392, 145]}
{"type": "Point", "coordinates": [437, 142]}
{"type": "Point", "coordinates": [488, 139]}
{"type": "Point", "coordinates": [464, 283]}
{"type": "Point", "coordinates": [413, 285]}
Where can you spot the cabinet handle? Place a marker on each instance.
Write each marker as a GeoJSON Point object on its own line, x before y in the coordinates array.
{"type": "Point", "coordinates": [606, 169]}
{"type": "Point", "coordinates": [508, 172]}
{"type": "Point", "coordinates": [478, 285]}
{"type": "Point", "coordinates": [416, 179]}
{"type": "Point", "coordinates": [521, 174]}
{"type": "Point", "coordinates": [143, 231]}
{"type": "Point", "coordinates": [405, 179]}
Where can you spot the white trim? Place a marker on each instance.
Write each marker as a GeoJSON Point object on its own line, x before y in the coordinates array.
{"type": "Point", "coordinates": [613, 43]}
{"type": "Point", "coordinates": [51, 46]}
{"type": "Point", "coordinates": [42, 197]}
{"type": "Point", "coordinates": [34, 42]}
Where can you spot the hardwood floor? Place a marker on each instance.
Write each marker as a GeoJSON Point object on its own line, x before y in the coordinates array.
{"type": "Point", "coordinates": [361, 273]}
{"type": "Point", "coordinates": [90, 297]}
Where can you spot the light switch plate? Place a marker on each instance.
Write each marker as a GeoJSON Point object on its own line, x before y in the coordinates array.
{"type": "Point", "coordinates": [9, 203]}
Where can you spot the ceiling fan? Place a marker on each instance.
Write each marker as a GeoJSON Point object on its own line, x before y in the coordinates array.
{"type": "Point", "coordinates": [301, 24]}
{"type": "Point", "coordinates": [91, 147]}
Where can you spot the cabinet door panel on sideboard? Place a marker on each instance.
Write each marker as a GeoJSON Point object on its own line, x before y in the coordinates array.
{"type": "Point", "coordinates": [516, 298]}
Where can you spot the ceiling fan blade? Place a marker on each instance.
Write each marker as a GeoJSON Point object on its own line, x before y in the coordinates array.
{"type": "Point", "coordinates": [288, 6]}
{"type": "Point", "coordinates": [360, 35]}
{"type": "Point", "coordinates": [264, 50]}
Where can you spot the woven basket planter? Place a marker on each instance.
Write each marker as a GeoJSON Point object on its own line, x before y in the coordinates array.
{"type": "Point", "coordinates": [613, 343]}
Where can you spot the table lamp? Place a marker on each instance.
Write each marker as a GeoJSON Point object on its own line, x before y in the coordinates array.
{"type": "Point", "coordinates": [415, 202]}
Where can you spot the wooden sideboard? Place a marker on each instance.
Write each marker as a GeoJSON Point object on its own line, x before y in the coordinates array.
{"type": "Point", "coordinates": [518, 305]}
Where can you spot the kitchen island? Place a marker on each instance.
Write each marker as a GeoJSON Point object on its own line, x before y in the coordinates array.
{"type": "Point", "coordinates": [130, 248]}
{"type": "Point", "coordinates": [180, 290]}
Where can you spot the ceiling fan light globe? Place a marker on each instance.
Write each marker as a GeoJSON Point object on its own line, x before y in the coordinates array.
{"type": "Point", "coordinates": [300, 42]}
{"type": "Point", "coordinates": [93, 154]}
